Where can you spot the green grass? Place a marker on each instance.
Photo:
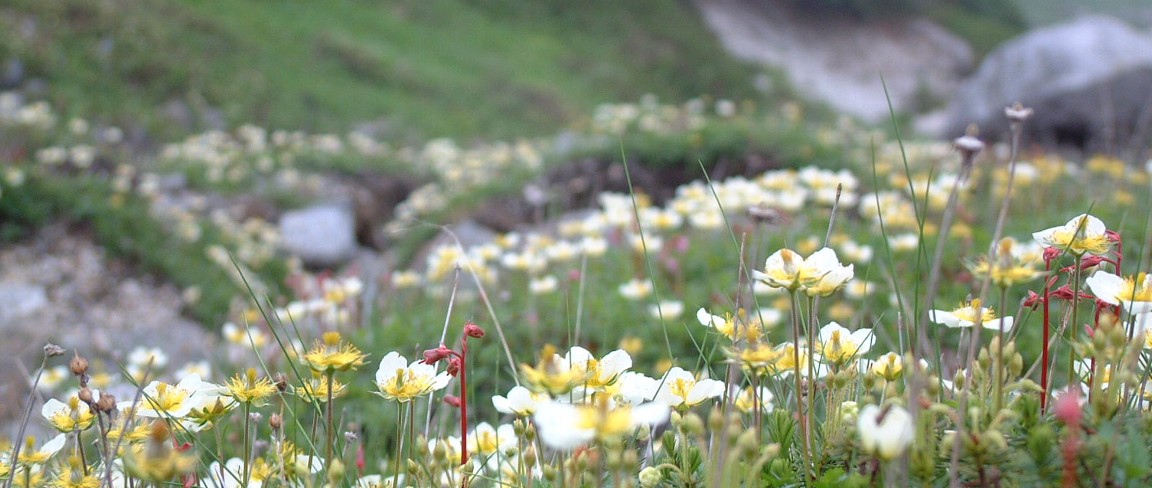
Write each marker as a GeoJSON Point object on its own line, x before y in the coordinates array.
{"type": "Point", "coordinates": [421, 69]}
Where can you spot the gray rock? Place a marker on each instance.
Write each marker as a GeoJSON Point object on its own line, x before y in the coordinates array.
{"type": "Point", "coordinates": [19, 300]}
{"type": "Point", "coordinates": [1089, 82]}
{"type": "Point", "coordinates": [839, 60]}
{"type": "Point", "coordinates": [322, 235]}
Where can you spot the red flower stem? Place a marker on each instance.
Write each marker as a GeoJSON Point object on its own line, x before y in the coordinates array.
{"type": "Point", "coordinates": [463, 401]}
{"type": "Point", "coordinates": [1047, 327]}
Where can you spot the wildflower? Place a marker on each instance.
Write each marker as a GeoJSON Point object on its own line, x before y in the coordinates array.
{"type": "Point", "coordinates": [490, 442]}
{"type": "Point", "coordinates": [74, 476]}
{"type": "Point", "coordinates": [666, 309]}
{"type": "Point", "coordinates": [750, 330]}
{"type": "Point", "coordinates": [163, 400]}
{"type": "Point", "coordinates": [69, 417]}
{"type": "Point", "coordinates": [885, 433]}
{"type": "Point", "coordinates": [821, 274]}
{"type": "Point", "coordinates": [247, 388]}
{"type": "Point", "coordinates": [156, 459]}
{"type": "Point", "coordinates": [1133, 293]}
{"type": "Point", "coordinates": [230, 475]}
{"type": "Point", "coordinates": [247, 337]}
{"type": "Point", "coordinates": [838, 345]}
{"type": "Point", "coordinates": [552, 374]}
{"type": "Point", "coordinates": [890, 366]}
{"type": "Point", "coordinates": [316, 389]}
{"type": "Point", "coordinates": [195, 367]}
{"type": "Point", "coordinates": [147, 357]}
{"type": "Point", "coordinates": [332, 354]}
{"type": "Point", "coordinates": [1007, 267]}
{"type": "Point", "coordinates": [636, 289]}
{"type": "Point", "coordinates": [543, 285]}
{"type": "Point", "coordinates": [400, 381]}
{"type": "Point", "coordinates": [681, 389]}
{"type": "Point", "coordinates": [759, 358]}
{"type": "Point", "coordinates": [29, 456]}
{"type": "Point", "coordinates": [567, 426]}
{"type": "Point", "coordinates": [1084, 234]}
{"type": "Point", "coordinates": [747, 399]}
{"type": "Point", "coordinates": [520, 402]}
{"type": "Point", "coordinates": [968, 314]}
{"type": "Point", "coordinates": [597, 374]}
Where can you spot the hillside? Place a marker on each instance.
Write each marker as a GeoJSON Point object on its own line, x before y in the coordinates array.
{"type": "Point", "coordinates": [407, 69]}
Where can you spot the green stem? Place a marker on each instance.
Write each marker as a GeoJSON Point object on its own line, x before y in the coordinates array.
{"type": "Point", "coordinates": [795, 312]}
{"type": "Point", "coordinates": [246, 451]}
{"type": "Point", "coordinates": [331, 427]}
{"type": "Point", "coordinates": [1000, 377]}
{"type": "Point", "coordinates": [1072, 327]}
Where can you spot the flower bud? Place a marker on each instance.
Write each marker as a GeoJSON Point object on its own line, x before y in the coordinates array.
{"type": "Point", "coordinates": [473, 330]}
{"type": "Point", "coordinates": [79, 365]}
{"type": "Point", "coordinates": [85, 395]}
{"type": "Point", "coordinates": [650, 477]}
{"type": "Point", "coordinates": [275, 421]}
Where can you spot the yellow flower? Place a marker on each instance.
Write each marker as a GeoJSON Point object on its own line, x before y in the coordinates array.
{"type": "Point", "coordinates": [156, 459]}
{"type": "Point", "coordinates": [74, 477]}
{"type": "Point", "coordinates": [1007, 267]}
{"type": "Point", "coordinates": [250, 389]}
{"type": "Point", "coordinates": [331, 354]}
{"type": "Point", "coordinates": [316, 389]}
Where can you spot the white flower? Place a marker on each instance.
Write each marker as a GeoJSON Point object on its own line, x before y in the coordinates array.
{"type": "Point", "coordinates": [967, 316]}
{"type": "Point", "coordinates": [143, 357]}
{"type": "Point", "coordinates": [636, 289]}
{"type": "Point", "coordinates": [163, 400]}
{"type": "Point", "coordinates": [840, 345]}
{"type": "Point", "coordinates": [679, 387]}
{"type": "Point", "coordinates": [666, 309]}
{"type": "Point", "coordinates": [821, 274]}
{"type": "Point", "coordinates": [885, 433]}
{"type": "Point", "coordinates": [1133, 293]}
{"type": "Point", "coordinates": [542, 285]}
{"type": "Point", "coordinates": [1083, 234]}
{"type": "Point", "coordinates": [520, 402]}
{"type": "Point", "coordinates": [598, 373]}
{"type": "Point", "coordinates": [566, 426]}
{"type": "Point", "coordinates": [400, 381]}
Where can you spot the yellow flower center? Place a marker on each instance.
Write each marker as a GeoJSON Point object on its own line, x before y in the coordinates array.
{"type": "Point", "coordinates": [1135, 289]}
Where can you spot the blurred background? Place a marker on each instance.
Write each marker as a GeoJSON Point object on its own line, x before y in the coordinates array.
{"type": "Point", "coordinates": [153, 150]}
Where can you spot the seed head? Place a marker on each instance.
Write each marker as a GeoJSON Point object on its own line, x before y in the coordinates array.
{"type": "Point", "coordinates": [52, 350]}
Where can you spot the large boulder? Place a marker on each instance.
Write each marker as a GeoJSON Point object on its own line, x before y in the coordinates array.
{"type": "Point", "coordinates": [1089, 82]}
{"type": "Point", "coordinates": [321, 236]}
{"type": "Point", "coordinates": [839, 60]}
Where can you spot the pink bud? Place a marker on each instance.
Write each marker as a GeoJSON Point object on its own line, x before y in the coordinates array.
{"type": "Point", "coordinates": [433, 356]}
{"type": "Point", "coordinates": [1067, 408]}
{"type": "Point", "coordinates": [1051, 253]}
{"type": "Point", "coordinates": [473, 330]}
{"type": "Point", "coordinates": [452, 400]}
{"type": "Point", "coordinates": [454, 366]}
{"type": "Point", "coordinates": [1032, 299]}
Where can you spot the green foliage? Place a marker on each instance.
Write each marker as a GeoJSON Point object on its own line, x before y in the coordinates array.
{"type": "Point", "coordinates": [418, 68]}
